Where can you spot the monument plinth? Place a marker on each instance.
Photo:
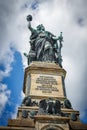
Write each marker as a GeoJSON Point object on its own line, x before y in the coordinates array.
{"type": "Point", "coordinates": [43, 79]}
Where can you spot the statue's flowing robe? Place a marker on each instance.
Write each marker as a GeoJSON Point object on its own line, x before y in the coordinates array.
{"type": "Point", "coordinates": [43, 44]}
{"type": "Point", "coordinates": [44, 47]}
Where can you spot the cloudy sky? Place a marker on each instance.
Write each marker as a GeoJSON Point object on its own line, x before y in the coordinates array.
{"type": "Point", "coordinates": [68, 16]}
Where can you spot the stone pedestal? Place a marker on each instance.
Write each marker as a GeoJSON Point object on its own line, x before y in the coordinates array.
{"type": "Point", "coordinates": [43, 80]}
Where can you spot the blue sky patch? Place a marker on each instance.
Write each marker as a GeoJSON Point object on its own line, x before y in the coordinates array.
{"type": "Point", "coordinates": [15, 85]}
{"type": "Point", "coordinates": [2, 67]}
{"type": "Point", "coordinates": [84, 118]}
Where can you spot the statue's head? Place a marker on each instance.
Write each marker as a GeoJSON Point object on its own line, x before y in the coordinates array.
{"type": "Point", "coordinates": [41, 27]}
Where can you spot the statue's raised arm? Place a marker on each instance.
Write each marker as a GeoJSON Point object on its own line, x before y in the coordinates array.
{"type": "Point", "coordinates": [29, 19]}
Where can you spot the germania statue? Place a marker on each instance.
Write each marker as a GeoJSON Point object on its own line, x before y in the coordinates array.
{"type": "Point", "coordinates": [44, 46]}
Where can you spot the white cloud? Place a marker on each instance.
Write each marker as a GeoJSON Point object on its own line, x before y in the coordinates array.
{"type": "Point", "coordinates": [14, 114]}
{"type": "Point", "coordinates": [5, 60]}
{"type": "Point", "coordinates": [22, 95]}
{"type": "Point", "coordinates": [4, 96]}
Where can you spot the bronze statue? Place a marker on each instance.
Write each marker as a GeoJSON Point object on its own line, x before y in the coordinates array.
{"type": "Point", "coordinates": [44, 45]}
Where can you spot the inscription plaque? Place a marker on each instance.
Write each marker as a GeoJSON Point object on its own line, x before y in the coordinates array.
{"type": "Point", "coordinates": [46, 85]}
